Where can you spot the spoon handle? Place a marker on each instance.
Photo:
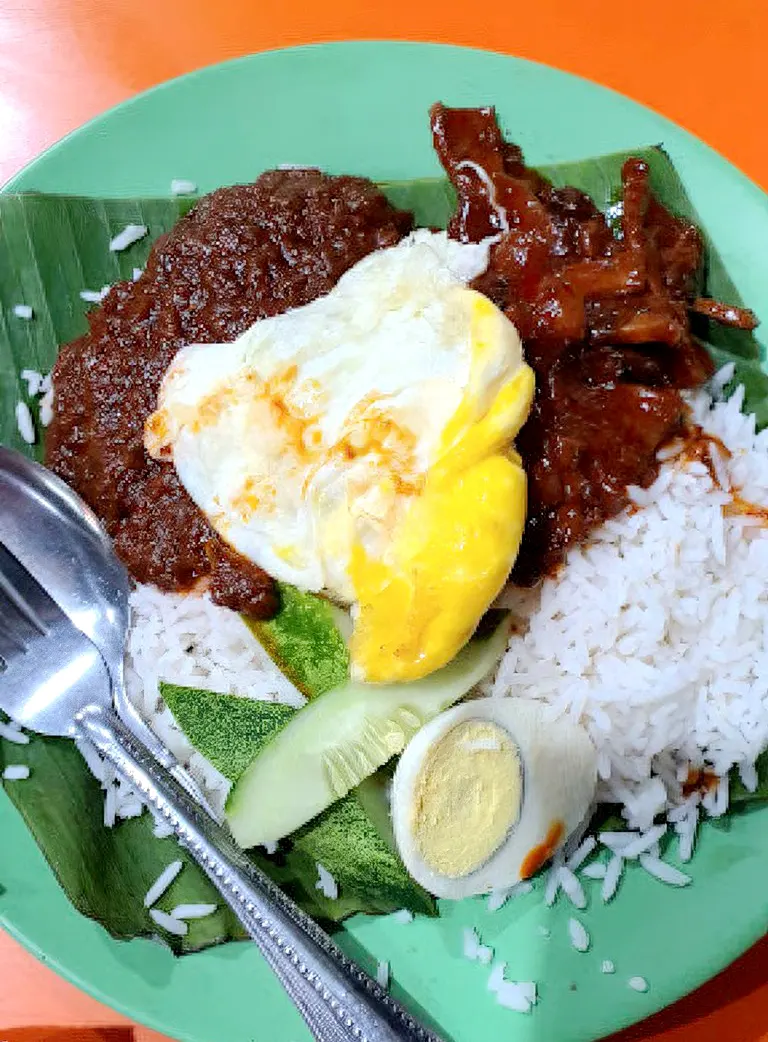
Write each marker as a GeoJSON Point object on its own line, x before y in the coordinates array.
{"type": "Point", "coordinates": [339, 1002]}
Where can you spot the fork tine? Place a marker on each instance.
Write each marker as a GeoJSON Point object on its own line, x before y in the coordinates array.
{"type": "Point", "coordinates": [25, 593]}
{"type": "Point", "coordinates": [16, 631]}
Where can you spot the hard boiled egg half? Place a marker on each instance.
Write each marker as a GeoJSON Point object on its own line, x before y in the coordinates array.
{"type": "Point", "coordinates": [362, 447]}
{"type": "Point", "coordinates": [487, 792]}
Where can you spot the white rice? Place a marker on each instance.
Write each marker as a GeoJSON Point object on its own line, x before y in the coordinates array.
{"type": "Point", "coordinates": [403, 915]}
{"type": "Point", "coordinates": [16, 772]}
{"type": "Point", "coordinates": [12, 733]}
{"type": "Point", "coordinates": [162, 830]}
{"type": "Point", "coordinates": [94, 296]}
{"type": "Point", "coordinates": [594, 871]}
{"type": "Point", "coordinates": [193, 911]}
{"type": "Point", "coordinates": [23, 311]}
{"type": "Point", "coordinates": [193, 642]}
{"type": "Point", "coordinates": [33, 379]}
{"type": "Point", "coordinates": [607, 966]}
{"type": "Point", "coordinates": [553, 879]}
{"type": "Point", "coordinates": [638, 983]}
{"type": "Point", "coordinates": [571, 887]}
{"type": "Point", "coordinates": [326, 884]}
{"type": "Point", "coordinates": [613, 872]}
{"type": "Point", "coordinates": [643, 843]}
{"type": "Point", "coordinates": [471, 942]}
{"type": "Point", "coordinates": [661, 870]}
{"type": "Point", "coordinates": [519, 996]}
{"type": "Point", "coordinates": [167, 922]}
{"type": "Point", "coordinates": [46, 407]}
{"type": "Point", "coordinates": [179, 186]}
{"type": "Point", "coordinates": [127, 237]}
{"type": "Point", "coordinates": [162, 883]}
{"type": "Point", "coordinates": [577, 932]}
{"type": "Point", "coordinates": [581, 853]}
{"type": "Point", "coordinates": [654, 634]}
{"type": "Point", "coordinates": [136, 274]}
{"type": "Point", "coordinates": [498, 898]}
{"type": "Point", "coordinates": [24, 423]}
{"type": "Point", "coordinates": [382, 975]}
{"type": "Point", "coordinates": [473, 949]}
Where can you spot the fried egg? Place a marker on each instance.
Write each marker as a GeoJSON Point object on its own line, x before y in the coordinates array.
{"type": "Point", "coordinates": [362, 447]}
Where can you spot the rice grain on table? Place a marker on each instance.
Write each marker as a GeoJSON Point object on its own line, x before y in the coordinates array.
{"type": "Point", "coordinates": [23, 311]}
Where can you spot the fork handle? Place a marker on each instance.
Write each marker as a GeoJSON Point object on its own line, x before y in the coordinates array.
{"type": "Point", "coordinates": [339, 1002]}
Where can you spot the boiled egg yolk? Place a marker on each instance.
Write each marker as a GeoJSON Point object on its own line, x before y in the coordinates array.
{"type": "Point", "coordinates": [362, 447]}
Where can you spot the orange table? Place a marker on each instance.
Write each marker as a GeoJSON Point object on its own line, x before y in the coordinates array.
{"type": "Point", "coordinates": [697, 61]}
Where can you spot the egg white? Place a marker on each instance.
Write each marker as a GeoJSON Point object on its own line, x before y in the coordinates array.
{"type": "Point", "coordinates": [309, 439]}
{"type": "Point", "coordinates": [393, 334]}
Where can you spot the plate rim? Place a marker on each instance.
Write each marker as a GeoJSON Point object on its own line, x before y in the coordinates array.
{"type": "Point", "coordinates": [727, 167]}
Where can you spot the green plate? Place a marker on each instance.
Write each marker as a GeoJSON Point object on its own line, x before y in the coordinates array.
{"type": "Point", "coordinates": [362, 108]}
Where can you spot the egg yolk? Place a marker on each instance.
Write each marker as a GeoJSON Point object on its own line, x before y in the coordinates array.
{"type": "Point", "coordinates": [453, 549]}
{"type": "Point", "coordinates": [467, 797]}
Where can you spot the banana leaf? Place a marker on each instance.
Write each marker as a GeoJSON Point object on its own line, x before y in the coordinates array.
{"type": "Point", "coordinates": [51, 249]}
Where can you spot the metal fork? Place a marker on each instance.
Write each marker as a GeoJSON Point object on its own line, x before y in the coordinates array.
{"type": "Point", "coordinates": [54, 680]}
{"type": "Point", "coordinates": [42, 518]}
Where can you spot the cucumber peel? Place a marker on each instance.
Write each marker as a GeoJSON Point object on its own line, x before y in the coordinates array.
{"type": "Point", "coordinates": [305, 640]}
{"type": "Point", "coordinates": [335, 742]}
{"type": "Point", "coordinates": [353, 839]}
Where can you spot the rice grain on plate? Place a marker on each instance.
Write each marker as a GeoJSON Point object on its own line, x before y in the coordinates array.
{"type": "Point", "coordinates": [652, 633]}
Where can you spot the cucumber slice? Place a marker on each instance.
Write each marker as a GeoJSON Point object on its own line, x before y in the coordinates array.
{"type": "Point", "coordinates": [306, 640]}
{"type": "Point", "coordinates": [336, 741]}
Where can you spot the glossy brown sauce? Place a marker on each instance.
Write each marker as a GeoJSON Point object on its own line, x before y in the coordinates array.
{"type": "Point", "coordinates": [603, 313]}
{"type": "Point", "coordinates": [241, 254]}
